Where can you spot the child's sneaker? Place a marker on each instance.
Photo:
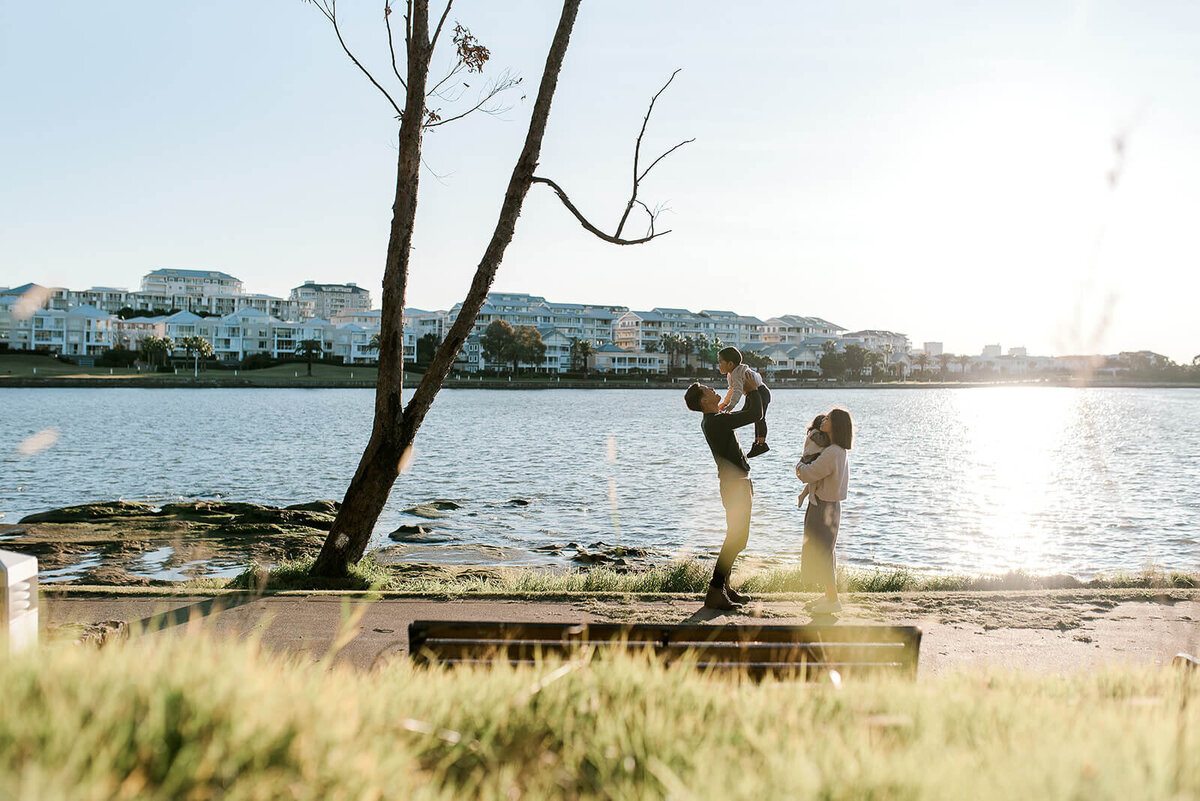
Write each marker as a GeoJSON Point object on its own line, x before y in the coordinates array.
{"type": "Point", "coordinates": [758, 449]}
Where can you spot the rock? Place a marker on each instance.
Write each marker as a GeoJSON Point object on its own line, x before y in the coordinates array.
{"type": "Point", "coordinates": [92, 511]}
{"type": "Point", "coordinates": [323, 507]}
{"type": "Point", "coordinates": [518, 502]}
{"type": "Point", "coordinates": [433, 509]}
{"type": "Point", "coordinates": [411, 533]}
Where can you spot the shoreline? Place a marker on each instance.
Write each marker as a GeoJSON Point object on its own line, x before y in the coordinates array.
{"type": "Point", "coordinates": [177, 382]}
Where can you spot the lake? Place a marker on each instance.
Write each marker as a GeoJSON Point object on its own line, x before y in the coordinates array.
{"type": "Point", "coordinates": [967, 480]}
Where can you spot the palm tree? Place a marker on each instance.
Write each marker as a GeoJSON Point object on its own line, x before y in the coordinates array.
{"type": "Point", "coordinates": [309, 348]}
{"type": "Point", "coordinates": [922, 361]}
{"type": "Point", "coordinates": [581, 349]}
{"type": "Point", "coordinates": [873, 361]}
{"type": "Point", "coordinates": [196, 347]}
{"type": "Point", "coordinates": [963, 361]}
{"type": "Point", "coordinates": [944, 360]}
{"type": "Point", "coordinates": [670, 343]}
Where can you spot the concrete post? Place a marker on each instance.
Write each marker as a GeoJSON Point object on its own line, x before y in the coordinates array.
{"type": "Point", "coordinates": [18, 601]}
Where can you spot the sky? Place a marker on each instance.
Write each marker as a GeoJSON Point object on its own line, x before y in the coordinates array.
{"type": "Point", "coordinates": [947, 170]}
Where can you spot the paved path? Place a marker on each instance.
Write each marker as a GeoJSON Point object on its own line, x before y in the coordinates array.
{"type": "Point", "coordinates": [1040, 631]}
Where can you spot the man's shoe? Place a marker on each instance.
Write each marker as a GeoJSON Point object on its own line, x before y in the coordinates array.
{"type": "Point", "coordinates": [758, 449]}
{"type": "Point", "coordinates": [717, 599]}
{"type": "Point", "coordinates": [826, 607]}
{"type": "Point", "coordinates": [736, 596]}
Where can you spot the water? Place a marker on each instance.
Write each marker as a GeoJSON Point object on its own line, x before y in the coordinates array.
{"type": "Point", "coordinates": [965, 480]}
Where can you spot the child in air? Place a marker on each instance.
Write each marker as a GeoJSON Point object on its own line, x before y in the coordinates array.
{"type": "Point", "coordinates": [816, 441]}
{"type": "Point", "coordinates": [743, 380]}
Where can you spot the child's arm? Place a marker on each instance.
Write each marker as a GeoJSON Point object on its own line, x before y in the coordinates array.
{"type": "Point", "coordinates": [733, 395]}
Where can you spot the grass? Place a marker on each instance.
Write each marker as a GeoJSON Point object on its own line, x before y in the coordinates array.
{"type": "Point", "coordinates": [690, 577]}
{"type": "Point", "coordinates": [188, 717]}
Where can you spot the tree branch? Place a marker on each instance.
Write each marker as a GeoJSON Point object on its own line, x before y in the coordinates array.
{"type": "Point", "coordinates": [329, 9]}
{"type": "Point", "coordinates": [615, 238]}
{"type": "Point", "coordinates": [562, 195]}
{"type": "Point", "coordinates": [502, 84]}
{"type": "Point", "coordinates": [637, 154]}
{"type": "Point", "coordinates": [387, 20]}
{"type": "Point", "coordinates": [438, 31]}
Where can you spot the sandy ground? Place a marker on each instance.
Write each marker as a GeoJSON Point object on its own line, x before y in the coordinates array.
{"type": "Point", "coordinates": [1052, 631]}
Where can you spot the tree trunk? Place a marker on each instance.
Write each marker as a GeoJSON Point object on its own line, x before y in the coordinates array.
{"type": "Point", "coordinates": [380, 462]}
{"type": "Point", "coordinates": [395, 425]}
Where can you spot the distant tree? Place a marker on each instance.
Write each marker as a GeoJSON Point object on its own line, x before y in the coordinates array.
{"type": "Point", "coordinates": [922, 361]}
{"type": "Point", "coordinates": [944, 360]}
{"type": "Point", "coordinates": [528, 347]}
{"type": "Point", "coordinates": [119, 356]}
{"type": "Point", "coordinates": [498, 343]}
{"type": "Point", "coordinates": [373, 343]}
{"type": "Point", "coordinates": [873, 362]}
{"type": "Point", "coordinates": [155, 349]}
{"type": "Point", "coordinates": [581, 350]}
{"type": "Point", "coordinates": [196, 347]}
{"type": "Point", "coordinates": [832, 363]}
{"type": "Point", "coordinates": [126, 312]}
{"type": "Point", "coordinates": [1196, 360]}
{"type": "Point", "coordinates": [670, 343]}
{"type": "Point", "coordinates": [426, 347]}
{"type": "Point", "coordinates": [854, 360]}
{"type": "Point", "coordinates": [963, 361]}
{"type": "Point", "coordinates": [308, 348]}
{"type": "Point", "coordinates": [652, 347]}
{"type": "Point", "coordinates": [756, 360]}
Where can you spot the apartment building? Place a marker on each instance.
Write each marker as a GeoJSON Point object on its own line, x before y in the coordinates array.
{"type": "Point", "coordinates": [573, 320]}
{"type": "Point", "coordinates": [610, 358]}
{"type": "Point", "coordinates": [168, 282]}
{"type": "Point", "coordinates": [82, 331]}
{"type": "Point", "coordinates": [886, 342]}
{"type": "Point", "coordinates": [329, 300]}
{"type": "Point", "coordinates": [792, 329]}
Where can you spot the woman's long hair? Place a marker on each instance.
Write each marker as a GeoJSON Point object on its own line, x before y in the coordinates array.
{"type": "Point", "coordinates": [842, 428]}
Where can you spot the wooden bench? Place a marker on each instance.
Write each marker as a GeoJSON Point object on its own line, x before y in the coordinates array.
{"type": "Point", "coordinates": [803, 652]}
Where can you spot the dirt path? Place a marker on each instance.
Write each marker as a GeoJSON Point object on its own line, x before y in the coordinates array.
{"type": "Point", "coordinates": [1054, 631]}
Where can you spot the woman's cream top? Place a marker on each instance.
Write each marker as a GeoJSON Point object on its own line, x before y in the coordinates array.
{"type": "Point", "coordinates": [828, 476]}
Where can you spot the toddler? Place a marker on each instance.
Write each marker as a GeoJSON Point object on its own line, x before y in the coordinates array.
{"type": "Point", "coordinates": [742, 379]}
{"type": "Point", "coordinates": [816, 441]}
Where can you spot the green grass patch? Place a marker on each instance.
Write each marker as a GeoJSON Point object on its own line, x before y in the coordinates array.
{"type": "Point", "coordinates": [187, 717]}
{"type": "Point", "coordinates": [683, 577]}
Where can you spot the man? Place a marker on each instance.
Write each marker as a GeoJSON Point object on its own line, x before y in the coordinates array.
{"type": "Point", "coordinates": [733, 471]}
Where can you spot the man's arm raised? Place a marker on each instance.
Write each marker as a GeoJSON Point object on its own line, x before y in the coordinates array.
{"type": "Point", "coordinates": [750, 412]}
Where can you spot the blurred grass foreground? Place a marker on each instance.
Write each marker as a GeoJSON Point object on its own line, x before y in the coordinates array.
{"type": "Point", "coordinates": [189, 717]}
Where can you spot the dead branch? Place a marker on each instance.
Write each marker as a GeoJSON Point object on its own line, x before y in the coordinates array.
{"type": "Point", "coordinates": [387, 20]}
{"type": "Point", "coordinates": [500, 85]}
{"type": "Point", "coordinates": [638, 177]}
{"type": "Point", "coordinates": [637, 154]}
{"type": "Point", "coordinates": [562, 195]}
{"type": "Point", "coordinates": [329, 9]}
{"type": "Point", "coordinates": [438, 31]}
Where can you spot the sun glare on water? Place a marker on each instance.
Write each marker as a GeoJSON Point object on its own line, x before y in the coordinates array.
{"type": "Point", "coordinates": [1007, 478]}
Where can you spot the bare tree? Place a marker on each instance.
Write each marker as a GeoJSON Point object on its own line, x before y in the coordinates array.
{"type": "Point", "coordinates": [395, 424]}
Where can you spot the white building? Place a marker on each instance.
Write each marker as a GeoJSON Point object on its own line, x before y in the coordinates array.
{"type": "Point", "coordinates": [330, 299]}
{"type": "Point", "coordinates": [572, 320]}
{"type": "Point", "coordinates": [82, 331]}
{"type": "Point", "coordinates": [609, 358]}
{"type": "Point", "coordinates": [190, 283]}
{"type": "Point", "coordinates": [792, 329]}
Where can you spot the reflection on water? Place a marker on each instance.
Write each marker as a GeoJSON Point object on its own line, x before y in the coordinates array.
{"type": "Point", "coordinates": [972, 480]}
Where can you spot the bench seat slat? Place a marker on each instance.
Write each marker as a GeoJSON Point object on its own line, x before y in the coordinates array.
{"type": "Point", "coordinates": [807, 651]}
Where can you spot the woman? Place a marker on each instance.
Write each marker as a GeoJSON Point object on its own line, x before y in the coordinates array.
{"type": "Point", "coordinates": [827, 478]}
